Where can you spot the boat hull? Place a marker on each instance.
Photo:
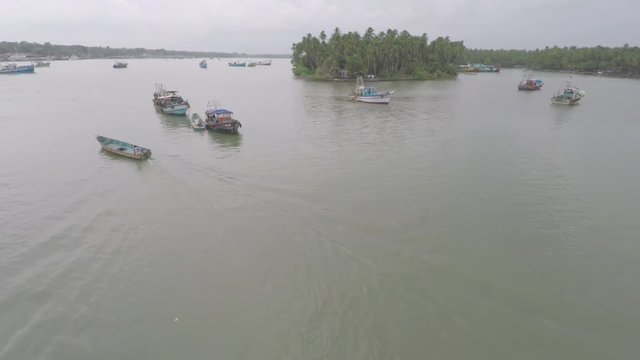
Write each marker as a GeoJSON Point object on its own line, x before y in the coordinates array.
{"type": "Point", "coordinates": [27, 69]}
{"type": "Point", "coordinates": [226, 127]}
{"type": "Point", "coordinates": [561, 101]}
{"type": "Point", "coordinates": [373, 99]}
{"type": "Point", "coordinates": [175, 110]}
{"type": "Point", "coordinates": [123, 148]}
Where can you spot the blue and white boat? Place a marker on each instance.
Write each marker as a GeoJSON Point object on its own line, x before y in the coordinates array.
{"type": "Point", "coordinates": [17, 69]}
{"type": "Point", "coordinates": [238, 64]}
{"type": "Point", "coordinates": [367, 94]}
{"type": "Point", "coordinates": [169, 102]}
{"type": "Point", "coordinates": [203, 64]}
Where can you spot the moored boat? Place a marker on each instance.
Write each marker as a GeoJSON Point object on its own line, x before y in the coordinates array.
{"type": "Point", "coordinates": [220, 120]}
{"type": "Point", "coordinates": [123, 148]}
{"type": "Point", "coordinates": [196, 122]}
{"type": "Point", "coordinates": [568, 95]}
{"type": "Point", "coordinates": [367, 94]}
{"type": "Point", "coordinates": [120, 65]}
{"type": "Point", "coordinates": [251, 64]}
{"type": "Point", "coordinates": [478, 68]}
{"type": "Point", "coordinates": [203, 64]}
{"type": "Point", "coordinates": [16, 69]}
{"type": "Point", "coordinates": [169, 102]}
{"type": "Point", "coordinates": [42, 64]}
{"type": "Point", "coordinates": [264, 62]}
{"type": "Point", "coordinates": [238, 64]}
{"type": "Point", "coordinates": [530, 84]}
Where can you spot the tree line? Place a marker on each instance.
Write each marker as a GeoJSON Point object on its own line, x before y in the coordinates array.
{"type": "Point", "coordinates": [623, 60]}
{"type": "Point", "coordinates": [390, 54]}
{"type": "Point", "coordinates": [96, 52]}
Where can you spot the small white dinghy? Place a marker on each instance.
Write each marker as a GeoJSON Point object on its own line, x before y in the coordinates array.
{"type": "Point", "coordinates": [196, 122]}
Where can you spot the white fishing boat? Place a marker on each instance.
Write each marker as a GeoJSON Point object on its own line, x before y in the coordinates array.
{"type": "Point", "coordinates": [367, 94]}
{"type": "Point", "coordinates": [568, 95]}
{"type": "Point", "coordinates": [264, 62]}
{"type": "Point", "coordinates": [169, 102]}
{"type": "Point", "coordinates": [196, 122]}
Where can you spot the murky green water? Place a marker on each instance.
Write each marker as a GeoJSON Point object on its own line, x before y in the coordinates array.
{"type": "Point", "coordinates": [466, 220]}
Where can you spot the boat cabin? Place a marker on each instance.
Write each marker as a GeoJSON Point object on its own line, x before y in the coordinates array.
{"type": "Point", "coordinates": [218, 116]}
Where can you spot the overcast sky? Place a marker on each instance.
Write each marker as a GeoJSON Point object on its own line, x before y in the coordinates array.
{"type": "Point", "coordinates": [271, 26]}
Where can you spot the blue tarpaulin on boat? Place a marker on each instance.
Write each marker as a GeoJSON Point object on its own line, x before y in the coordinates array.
{"type": "Point", "coordinates": [218, 111]}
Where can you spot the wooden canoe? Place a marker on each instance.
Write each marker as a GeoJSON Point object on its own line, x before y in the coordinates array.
{"type": "Point", "coordinates": [123, 148]}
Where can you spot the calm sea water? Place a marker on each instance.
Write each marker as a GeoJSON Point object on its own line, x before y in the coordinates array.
{"type": "Point", "coordinates": [466, 220]}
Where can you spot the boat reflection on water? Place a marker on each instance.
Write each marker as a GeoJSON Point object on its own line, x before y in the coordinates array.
{"type": "Point", "coordinates": [225, 141]}
{"type": "Point", "coordinates": [174, 122]}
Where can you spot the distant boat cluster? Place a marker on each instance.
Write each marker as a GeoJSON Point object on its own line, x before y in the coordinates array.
{"type": "Point", "coordinates": [216, 118]}
{"type": "Point", "coordinates": [475, 68]}
{"type": "Point", "coordinates": [250, 63]}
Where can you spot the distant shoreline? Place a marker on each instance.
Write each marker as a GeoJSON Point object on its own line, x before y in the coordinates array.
{"type": "Point", "coordinates": [31, 51]}
{"type": "Point", "coordinates": [46, 58]}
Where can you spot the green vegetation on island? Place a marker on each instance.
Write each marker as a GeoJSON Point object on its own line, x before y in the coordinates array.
{"type": "Point", "coordinates": [32, 49]}
{"type": "Point", "coordinates": [619, 61]}
{"type": "Point", "coordinates": [387, 55]}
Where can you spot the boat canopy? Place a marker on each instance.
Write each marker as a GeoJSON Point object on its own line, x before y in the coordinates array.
{"type": "Point", "coordinates": [218, 112]}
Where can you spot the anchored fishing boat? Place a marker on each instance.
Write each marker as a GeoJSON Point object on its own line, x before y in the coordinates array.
{"type": "Point", "coordinates": [120, 65]}
{"type": "Point", "coordinates": [220, 120]}
{"type": "Point", "coordinates": [196, 122]}
{"type": "Point", "coordinates": [16, 69]}
{"type": "Point", "coordinates": [203, 64]}
{"type": "Point", "coordinates": [367, 94]}
{"type": "Point", "coordinates": [123, 148]}
{"type": "Point", "coordinates": [169, 102]}
{"type": "Point", "coordinates": [530, 83]}
{"type": "Point", "coordinates": [42, 64]}
{"type": "Point", "coordinates": [251, 64]}
{"type": "Point", "coordinates": [569, 95]}
{"type": "Point", "coordinates": [238, 64]}
{"type": "Point", "coordinates": [264, 62]}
